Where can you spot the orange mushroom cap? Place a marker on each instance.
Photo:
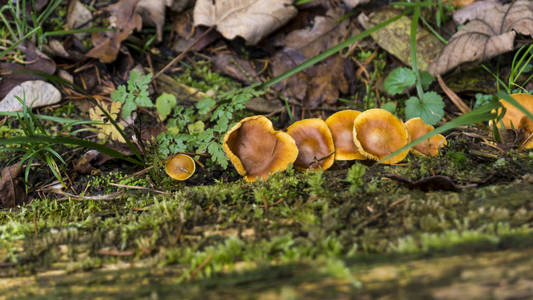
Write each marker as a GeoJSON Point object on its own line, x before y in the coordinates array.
{"type": "Point", "coordinates": [341, 126]}
{"type": "Point", "coordinates": [512, 114]}
{"type": "Point", "coordinates": [514, 118]}
{"type": "Point", "coordinates": [256, 150]}
{"type": "Point", "coordinates": [378, 133]}
{"type": "Point", "coordinates": [315, 144]}
{"type": "Point", "coordinates": [180, 167]}
{"type": "Point", "coordinates": [431, 146]}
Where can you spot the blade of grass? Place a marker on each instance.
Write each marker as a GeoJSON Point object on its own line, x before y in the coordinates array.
{"type": "Point", "coordinates": [69, 141]}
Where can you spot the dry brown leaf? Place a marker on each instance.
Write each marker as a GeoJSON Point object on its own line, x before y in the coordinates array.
{"type": "Point", "coordinates": [324, 81]}
{"type": "Point", "coordinates": [124, 20]}
{"type": "Point", "coordinates": [153, 13]}
{"type": "Point", "coordinates": [491, 34]}
{"type": "Point", "coordinates": [11, 191]}
{"type": "Point", "coordinates": [473, 10]}
{"type": "Point", "coordinates": [250, 19]}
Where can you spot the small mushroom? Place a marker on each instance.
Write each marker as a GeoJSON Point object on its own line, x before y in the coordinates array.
{"type": "Point", "coordinates": [256, 150]}
{"type": "Point", "coordinates": [341, 125]}
{"type": "Point", "coordinates": [315, 144]}
{"type": "Point", "coordinates": [513, 116]}
{"type": "Point", "coordinates": [378, 133]}
{"type": "Point", "coordinates": [180, 167]}
{"type": "Point", "coordinates": [429, 147]}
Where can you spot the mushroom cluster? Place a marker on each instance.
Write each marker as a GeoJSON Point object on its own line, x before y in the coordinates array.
{"type": "Point", "coordinates": [256, 150]}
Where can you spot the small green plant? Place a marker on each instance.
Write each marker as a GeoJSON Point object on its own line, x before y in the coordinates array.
{"type": "Point", "coordinates": [135, 95]}
{"type": "Point", "coordinates": [520, 66]}
{"type": "Point", "coordinates": [355, 177]}
{"type": "Point", "coordinates": [200, 128]}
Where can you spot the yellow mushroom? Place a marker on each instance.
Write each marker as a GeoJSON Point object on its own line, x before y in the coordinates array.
{"type": "Point", "coordinates": [180, 167]}
{"type": "Point", "coordinates": [430, 147]}
{"type": "Point", "coordinates": [378, 133]}
{"type": "Point", "coordinates": [341, 125]}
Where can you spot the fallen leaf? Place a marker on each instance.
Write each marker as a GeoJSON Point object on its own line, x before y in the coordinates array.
{"type": "Point", "coordinates": [123, 20]}
{"type": "Point", "coordinates": [395, 37]}
{"type": "Point", "coordinates": [35, 93]}
{"type": "Point", "coordinates": [78, 17]}
{"type": "Point", "coordinates": [325, 81]}
{"type": "Point", "coordinates": [11, 190]}
{"type": "Point", "coordinates": [237, 68]}
{"type": "Point", "coordinates": [153, 13]}
{"type": "Point", "coordinates": [491, 34]}
{"type": "Point", "coordinates": [250, 19]}
{"type": "Point", "coordinates": [472, 11]}
{"type": "Point", "coordinates": [354, 3]}
{"type": "Point", "coordinates": [107, 129]}
{"type": "Point", "coordinates": [461, 3]}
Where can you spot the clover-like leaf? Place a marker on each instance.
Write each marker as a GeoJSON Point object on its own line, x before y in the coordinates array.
{"type": "Point", "coordinates": [430, 108]}
{"type": "Point", "coordinates": [164, 105]}
{"type": "Point", "coordinates": [399, 79]}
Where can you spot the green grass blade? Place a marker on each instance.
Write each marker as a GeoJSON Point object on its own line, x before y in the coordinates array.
{"type": "Point", "coordinates": [320, 57]}
{"type": "Point", "coordinates": [73, 31]}
{"type": "Point", "coordinates": [513, 102]}
{"type": "Point", "coordinates": [19, 41]}
{"type": "Point", "coordinates": [480, 114]}
{"type": "Point", "coordinates": [68, 141]}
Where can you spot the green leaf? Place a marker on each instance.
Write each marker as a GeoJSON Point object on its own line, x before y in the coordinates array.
{"type": "Point", "coordinates": [389, 106]}
{"type": "Point", "coordinates": [398, 80]}
{"type": "Point", "coordinates": [205, 105]}
{"type": "Point", "coordinates": [120, 94]}
{"type": "Point", "coordinates": [217, 154]}
{"type": "Point", "coordinates": [196, 127]}
{"type": "Point", "coordinates": [426, 79]}
{"type": "Point", "coordinates": [164, 105]}
{"type": "Point", "coordinates": [430, 108]}
{"type": "Point", "coordinates": [128, 108]}
{"type": "Point", "coordinates": [143, 99]}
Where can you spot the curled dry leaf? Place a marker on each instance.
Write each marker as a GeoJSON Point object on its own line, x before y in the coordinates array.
{"type": "Point", "coordinates": [250, 19]}
{"type": "Point", "coordinates": [124, 19]}
{"type": "Point", "coordinates": [473, 10]}
{"type": "Point", "coordinates": [78, 17]}
{"type": "Point", "coordinates": [491, 34]}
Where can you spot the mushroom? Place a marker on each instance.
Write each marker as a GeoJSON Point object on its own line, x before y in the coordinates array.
{"type": "Point", "coordinates": [341, 125]}
{"type": "Point", "coordinates": [515, 118]}
{"type": "Point", "coordinates": [256, 150]}
{"type": "Point", "coordinates": [430, 146]}
{"type": "Point", "coordinates": [378, 133]}
{"type": "Point", "coordinates": [315, 144]}
{"type": "Point", "coordinates": [180, 167]}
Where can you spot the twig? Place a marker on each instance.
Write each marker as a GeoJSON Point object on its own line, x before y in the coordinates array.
{"type": "Point", "coordinates": [201, 266]}
{"type": "Point", "coordinates": [134, 187]}
{"type": "Point", "coordinates": [111, 196]}
{"type": "Point", "coordinates": [453, 96]}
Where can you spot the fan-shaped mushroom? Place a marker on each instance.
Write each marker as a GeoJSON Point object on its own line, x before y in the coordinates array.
{"type": "Point", "coordinates": [315, 144]}
{"type": "Point", "coordinates": [431, 146]}
{"type": "Point", "coordinates": [378, 133]}
{"type": "Point", "coordinates": [341, 126]}
{"type": "Point", "coordinates": [180, 167]}
{"type": "Point", "coordinates": [256, 150]}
